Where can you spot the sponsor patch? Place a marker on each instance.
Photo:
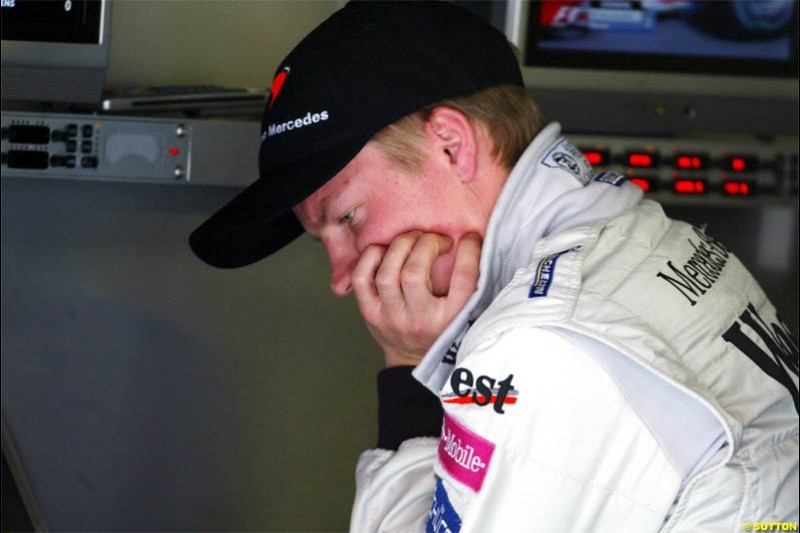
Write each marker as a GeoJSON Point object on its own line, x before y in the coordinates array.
{"type": "Point", "coordinates": [463, 454]}
{"type": "Point", "coordinates": [545, 271]}
{"type": "Point", "coordinates": [443, 518]}
{"type": "Point", "coordinates": [565, 156]}
{"type": "Point", "coordinates": [612, 178]}
{"type": "Point", "coordinates": [481, 391]}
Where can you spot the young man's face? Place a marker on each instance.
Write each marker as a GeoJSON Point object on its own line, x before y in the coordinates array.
{"type": "Point", "coordinates": [373, 201]}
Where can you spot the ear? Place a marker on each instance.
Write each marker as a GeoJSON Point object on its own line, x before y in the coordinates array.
{"type": "Point", "coordinates": [454, 139]}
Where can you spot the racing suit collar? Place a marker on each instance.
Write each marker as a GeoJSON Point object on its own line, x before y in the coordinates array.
{"type": "Point", "coordinates": [537, 200]}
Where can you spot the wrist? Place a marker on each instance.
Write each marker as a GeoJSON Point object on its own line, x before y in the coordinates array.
{"type": "Point", "coordinates": [394, 360]}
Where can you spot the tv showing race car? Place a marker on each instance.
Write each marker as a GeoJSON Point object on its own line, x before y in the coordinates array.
{"type": "Point", "coordinates": [726, 36]}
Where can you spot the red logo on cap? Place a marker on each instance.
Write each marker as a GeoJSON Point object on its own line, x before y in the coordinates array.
{"type": "Point", "coordinates": [277, 84]}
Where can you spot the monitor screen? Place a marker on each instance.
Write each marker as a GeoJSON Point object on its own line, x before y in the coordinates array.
{"type": "Point", "coordinates": [55, 50]}
{"type": "Point", "coordinates": [754, 38]}
{"type": "Point", "coordinates": [57, 21]}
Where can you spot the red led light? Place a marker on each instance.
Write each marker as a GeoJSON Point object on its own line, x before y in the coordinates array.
{"type": "Point", "coordinates": [737, 188]}
{"type": "Point", "coordinates": [689, 162]}
{"type": "Point", "coordinates": [689, 187]}
{"type": "Point", "coordinates": [640, 160]}
{"type": "Point", "coordinates": [174, 152]}
{"type": "Point", "coordinates": [738, 164]}
{"type": "Point", "coordinates": [594, 158]}
{"type": "Point", "coordinates": [641, 183]}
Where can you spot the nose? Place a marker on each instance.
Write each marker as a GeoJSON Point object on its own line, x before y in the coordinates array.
{"type": "Point", "coordinates": [343, 260]}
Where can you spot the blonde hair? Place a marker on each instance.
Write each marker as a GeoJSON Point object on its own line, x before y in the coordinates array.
{"type": "Point", "coordinates": [507, 113]}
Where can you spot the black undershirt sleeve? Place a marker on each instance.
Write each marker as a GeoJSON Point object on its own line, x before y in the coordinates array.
{"type": "Point", "coordinates": [406, 408]}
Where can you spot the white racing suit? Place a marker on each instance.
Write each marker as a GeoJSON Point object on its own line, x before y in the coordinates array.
{"type": "Point", "coordinates": [615, 371]}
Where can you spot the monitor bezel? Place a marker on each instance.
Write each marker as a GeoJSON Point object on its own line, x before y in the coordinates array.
{"type": "Point", "coordinates": [59, 54]}
{"type": "Point", "coordinates": [536, 56]}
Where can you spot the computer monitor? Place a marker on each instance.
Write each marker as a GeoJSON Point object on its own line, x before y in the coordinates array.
{"type": "Point", "coordinates": [662, 67]}
{"type": "Point", "coordinates": [55, 51]}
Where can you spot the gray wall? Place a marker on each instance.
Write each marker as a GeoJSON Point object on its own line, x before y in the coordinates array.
{"type": "Point", "coordinates": [147, 391]}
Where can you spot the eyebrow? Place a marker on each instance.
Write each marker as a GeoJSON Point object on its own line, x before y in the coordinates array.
{"type": "Point", "coordinates": [324, 218]}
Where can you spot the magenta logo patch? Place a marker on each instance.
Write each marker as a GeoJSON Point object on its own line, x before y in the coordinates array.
{"type": "Point", "coordinates": [464, 454]}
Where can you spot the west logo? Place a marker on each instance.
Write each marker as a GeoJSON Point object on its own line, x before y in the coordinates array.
{"type": "Point", "coordinates": [780, 362]}
{"type": "Point", "coordinates": [481, 391]}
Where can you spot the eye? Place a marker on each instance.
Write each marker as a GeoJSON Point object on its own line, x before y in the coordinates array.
{"type": "Point", "coordinates": [348, 218]}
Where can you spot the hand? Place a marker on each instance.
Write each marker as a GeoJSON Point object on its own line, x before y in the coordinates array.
{"type": "Point", "coordinates": [394, 292]}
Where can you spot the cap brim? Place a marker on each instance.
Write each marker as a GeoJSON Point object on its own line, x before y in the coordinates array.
{"type": "Point", "coordinates": [259, 221]}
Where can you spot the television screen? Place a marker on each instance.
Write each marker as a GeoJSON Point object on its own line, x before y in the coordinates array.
{"type": "Point", "coordinates": [55, 21]}
{"type": "Point", "coordinates": [725, 37]}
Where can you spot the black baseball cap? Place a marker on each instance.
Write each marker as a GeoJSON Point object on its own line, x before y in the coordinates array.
{"type": "Point", "coordinates": [365, 67]}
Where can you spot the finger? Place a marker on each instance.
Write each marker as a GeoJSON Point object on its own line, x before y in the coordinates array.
{"type": "Point", "coordinates": [466, 271]}
{"type": "Point", "coordinates": [387, 279]}
{"type": "Point", "coordinates": [416, 274]}
{"type": "Point", "coordinates": [363, 279]}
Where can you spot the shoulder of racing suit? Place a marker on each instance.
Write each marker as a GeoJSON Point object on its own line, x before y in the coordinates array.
{"type": "Point", "coordinates": [669, 317]}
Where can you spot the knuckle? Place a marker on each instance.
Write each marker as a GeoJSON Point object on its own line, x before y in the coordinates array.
{"type": "Point", "coordinates": [412, 275]}
{"type": "Point", "coordinates": [359, 280]}
{"type": "Point", "coordinates": [383, 281]}
{"type": "Point", "coordinates": [432, 240]}
{"type": "Point", "coordinates": [406, 240]}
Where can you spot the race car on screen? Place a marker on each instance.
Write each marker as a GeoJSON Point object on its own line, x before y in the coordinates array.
{"type": "Point", "coordinates": [731, 18]}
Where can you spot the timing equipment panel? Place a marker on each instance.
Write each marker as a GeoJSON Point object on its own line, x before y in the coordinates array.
{"type": "Point", "coordinates": [129, 149]}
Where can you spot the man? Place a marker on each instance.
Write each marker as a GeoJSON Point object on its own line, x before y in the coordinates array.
{"type": "Point", "coordinates": [600, 366]}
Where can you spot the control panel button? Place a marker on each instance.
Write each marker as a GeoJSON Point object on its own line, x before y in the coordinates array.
{"type": "Point", "coordinates": [58, 136]}
{"type": "Point", "coordinates": [72, 130]}
{"type": "Point", "coordinates": [72, 146]}
{"type": "Point", "coordinates": [87, 130]}
{"type": "Point", "coordinates": [86, 147]}
{"type": "Point", "coordinates": [67, 161]}
{"type": "Point", "coordinates": [89, 162]}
